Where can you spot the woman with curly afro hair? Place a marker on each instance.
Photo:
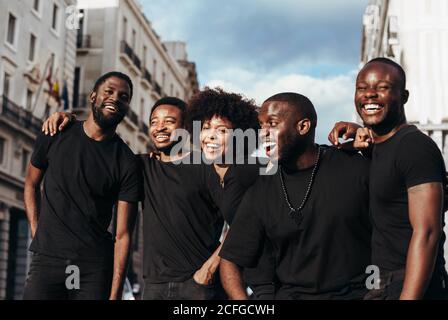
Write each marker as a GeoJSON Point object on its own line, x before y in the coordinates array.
{"type": "Point", "coordinates": [219, 112]}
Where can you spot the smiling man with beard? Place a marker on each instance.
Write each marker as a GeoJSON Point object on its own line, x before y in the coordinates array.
{"type": "Point", "coordinates": [87, 169]}
{"type": "Point", "coordinates": [313, 211]}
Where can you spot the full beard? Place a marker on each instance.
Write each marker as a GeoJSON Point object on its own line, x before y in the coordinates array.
{"type": "Point", "coordinates": [106, 122]}
{"type": "Point", "coordinates": [293, 148]}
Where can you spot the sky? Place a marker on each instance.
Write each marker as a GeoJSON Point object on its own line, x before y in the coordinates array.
{"type": "Point", "coordinates": [261, 47]}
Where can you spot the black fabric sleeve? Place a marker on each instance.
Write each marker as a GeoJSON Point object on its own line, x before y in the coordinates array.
{"type": "Point", "coordinates": [243, 244]}
{"type": "Point", "coordinates": [419, 160]}
{"type": "Point", "coordinates": [39, 158]}
{"type": "Point", "coordinates": [131, 184]}
{"type": "Point", "coordinates": [236, 182]}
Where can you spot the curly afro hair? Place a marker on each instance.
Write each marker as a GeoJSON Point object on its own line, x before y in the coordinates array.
{"type": "Point", "coordinates": [206, 104]}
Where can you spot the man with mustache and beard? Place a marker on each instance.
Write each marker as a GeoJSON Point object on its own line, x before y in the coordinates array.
{"type": "Point", "coordinates": [407, 178]}
{"type": "Point", "coordinates": [313, 211]}
{"type": "Point", "coordinates": [87, 169]}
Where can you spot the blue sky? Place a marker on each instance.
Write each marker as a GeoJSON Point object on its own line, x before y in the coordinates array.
{"type": "Point", "coordinates": [262, 47]}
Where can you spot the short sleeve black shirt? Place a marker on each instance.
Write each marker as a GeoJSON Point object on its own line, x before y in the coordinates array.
{"type": "Point", "coordinates": [181, 219]}
{"type": "Point", "coordinates": [83, 180]}
{"type": "Point", "coordinates": [330, 247]}
{"type": "Point", "coordinates": [407, 159]}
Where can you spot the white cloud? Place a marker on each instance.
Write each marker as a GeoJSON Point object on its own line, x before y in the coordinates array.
{"type": "Point", "coordinates": [331, 96]}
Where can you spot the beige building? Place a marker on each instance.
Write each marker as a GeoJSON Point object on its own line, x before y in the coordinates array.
{"type": "Point", "coordinates": [414, 33]}
{"type": "Point", "coordinates": [33, 40]}
{"type": "Point", "coordinates": [119, 37]}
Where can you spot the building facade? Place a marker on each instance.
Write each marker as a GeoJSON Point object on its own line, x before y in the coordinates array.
{"type": "Point", "coordinates": [414, 33]}
{"type": "Point", "coordinates": [37, 63]}
{"type": "Point", "coordinates": [119, 37]}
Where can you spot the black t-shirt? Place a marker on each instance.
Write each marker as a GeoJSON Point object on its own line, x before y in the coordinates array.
{"type": "Point", "coordinates": [237, 180]}
{"type": "Point", "coordinates": [181, 219]}
{"type": "Point", "coordinates": [407, 159]}
{"type": "Point", "coordinates": [331, 247]}
{"type": "Point", "coordinates": [83, 180]}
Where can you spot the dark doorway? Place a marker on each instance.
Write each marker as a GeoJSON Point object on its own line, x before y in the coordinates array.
{"type": "Point", "coordinates": [17, 254]}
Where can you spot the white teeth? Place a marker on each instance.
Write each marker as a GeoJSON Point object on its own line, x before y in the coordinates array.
{"type": "Point", "coordinates": [162, 137]}
{"type": "Point", "coordinates": [370, 107]}
{"type": "Point", "coordinates": [213, 145]}
{"type": "Point", "coordinates": [111, 108]}
{"type": "Point", "coordinates": [269, 145]}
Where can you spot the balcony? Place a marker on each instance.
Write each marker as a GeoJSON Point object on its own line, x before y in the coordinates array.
{"type": "Point", "coordinates": [157, 88]}
{"type": "Point", "coordinates": [147, 76]}
{"type": "Point", "coordinates": [83, 41]}
{"type": "Point", "coordinates": [144, 128]}
{"type": "Point", "coordinates": [130, 55]}
{"type": "Point", "coordinates": [133, 117]}
{"type": "Point", "coordinates": [24, 118]}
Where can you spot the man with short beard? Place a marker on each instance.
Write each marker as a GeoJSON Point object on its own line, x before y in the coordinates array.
{"type": "Point", "coordinates": [87, 169]}
{"type": "Point", "coordinates": [313, 211]}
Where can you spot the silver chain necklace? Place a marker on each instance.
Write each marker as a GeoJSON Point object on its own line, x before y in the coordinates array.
{"type": "Point", "coordinates": [293, 211]}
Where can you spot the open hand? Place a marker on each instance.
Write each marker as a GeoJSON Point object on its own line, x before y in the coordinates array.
{"type": "Point", "coordinates": [57, 122]}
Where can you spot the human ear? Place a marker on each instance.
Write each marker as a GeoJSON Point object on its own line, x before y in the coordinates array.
{"type": "Point", "coordinates": [405, 96]}
{"type": "Point", "coordinates": [93, 97]}
{"type": "Point", "coordinates": [303, 126]}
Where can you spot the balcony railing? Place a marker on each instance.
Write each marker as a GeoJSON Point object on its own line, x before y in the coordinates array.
{"type": "Point", "coordinates": [157, 88]}
{"type": "Point", "coordinates": [24, 118]}
{"type": "Point", "coordinates": [127, 50]}
{"type": "Point", "coordinates": [133, 117]}
{"type": "Point", "coordinates": [83, 41]}
{"type": "Point", "coordinates": [137, 62]}
{"type": "Point", "coordinates": [147, 75]}
{"type": "Point", "coordinates": [143, 127]}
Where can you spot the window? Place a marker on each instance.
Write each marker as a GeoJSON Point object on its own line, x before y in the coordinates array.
{"type": "Point", "coordinates": [25, 160]}
{"type": "Point", "coordinates": [36, 4]}
{"type": "Point", "coordinates": [54, 21]}
{"type": "Point", "coordinates": [145, 50]}
{"type": "Point", "coordinates": [163, 80]}
{"type": "Point", "coordinates": [11, 29]}
{"type": "Point", "coordinates": [171, 89]}
{"type": "Point", "coordinates": [154, 68]}
{"type": "Point", "coordinates": [142, 109]}
{"type": "Point", "coordinates": [125, 29]}
{"type": "Point", "coordinates": [2, 151]}
{"type": "Point", "coordinates": [6, 85]}
{"type": "Point", "coordinates": [29, 99]}
{"type": "Point", "coordinates": [32, 51]}
{"type": "Point", "coordinates": [134, 39]}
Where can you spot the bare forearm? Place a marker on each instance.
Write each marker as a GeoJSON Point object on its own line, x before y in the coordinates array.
{"type": "Point", "coordinates": [121, 255]}
{"type": "Point", "coordinates": [420, 264]}
{"type": "Point", "coordinates": [214, 260]}
{"type": "Point", "coordinates": [232, 280]}
{"type": "Point", "coordinates": [32, 205]}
